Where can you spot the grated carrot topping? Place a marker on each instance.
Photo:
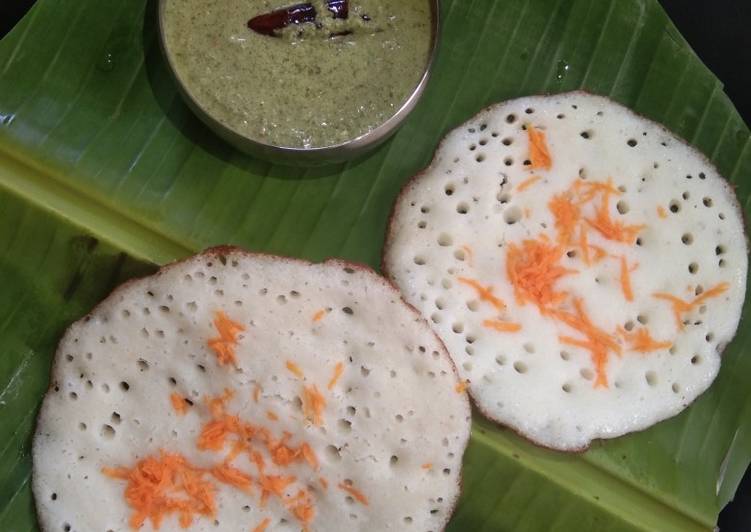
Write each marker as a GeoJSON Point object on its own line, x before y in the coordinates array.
{"type": "Point", "coordinates": [319, 314]}
{"type": "Point", "coordinates": [524, 185]}
{"type": "Point", "coordinates": [214, 434]}
{"type": "Point", "coordinates": [566, 215]}
{"type": "Point", "coordinates": [588, 190]}
{"type": "Point", "coordinates": [323, 482]}
{"type": "Point", "coordinates": [179, 403]}
{"type": "Point", "coordinates": [609, 229]}
{"type": "Point", "coordinates": [484, 293]}
{"type": "Point", "coordinates": [231, 475]}
{"type": "Point", "coordinates": [302, 507]}
{"type": "Point", "coordinates": [628, 293]}
{"type": "Point", "coordinates": [271, 415]}
{"type": "Point", "coordinates": [538, 148]}
{"type": "Point", "coordinates": [218, 403]}
{"type": "Point", "coordinates": [461, 386]}
{"type": "Point", "coordinates": [262, 525]}
{"type": "Point", "coordinates": [162, 486]}
{"type": "Point", "coordinates": [661, 212]}
{"type": "Point", "coordinates": [427, 465]}
{"type": "Point", "coordinates": [295, 369]}
{"type": "Point", "coordinates": [680, 306]}
{"type": "Point", "coordinates": [309, 455]}
{"type": "Point", "coordinates": [357, 494]}
{"type": "Point", "coordinates": [502, 326]}
{"type": "Point", "coordinates": [533, 270]}
{"type": "Point", "coordinates": [533, 267]}
{"type": "Point", "coordinates": [273, 485]}
{"type": "Point", "coordinates": [224, 345]}
{"type": "Point", "coordinates": [338, 370]}
{"type": "Point", "coordinates": [313, 404]}
{"type": "Point", "coordinates": [283, 455]}
{"type": "Point", "coordinates": [257, 459]}
{"type": "Point", "coordinates": [642, 342]}
{"type": "Point", "coordinates": [600, 253]}
{"type": "Point", "coordinates": [240, 446]}
{"type": "Point", "coordinates": [269, 484]}
{"type": "Point", "coordinates": [159, 487]}
{"type": "Point", "coordinates": [584, 244]}
{"type": "Point", "coordinates": [256, 392]}
{"type": "Point", "coordinates": [596, 341]}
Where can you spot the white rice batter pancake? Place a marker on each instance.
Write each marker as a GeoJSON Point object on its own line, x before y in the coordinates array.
{"type": "Point", "coordinates": [584, 267]}
{"type": "Point", "coordinates": [244, 392]}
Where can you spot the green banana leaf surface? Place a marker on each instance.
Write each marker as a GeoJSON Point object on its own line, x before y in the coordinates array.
{"type": "Point", "coordinates": [105, 174]}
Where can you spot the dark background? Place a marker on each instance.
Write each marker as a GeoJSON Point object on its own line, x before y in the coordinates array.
{"type": "Point", "coordinates": [720, 32]}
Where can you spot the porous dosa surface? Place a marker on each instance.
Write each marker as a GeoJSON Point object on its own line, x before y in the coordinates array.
{"type": "Point", "coordinates": [394, 427]}
{"type": "Point", "coordinates": [681, 242]}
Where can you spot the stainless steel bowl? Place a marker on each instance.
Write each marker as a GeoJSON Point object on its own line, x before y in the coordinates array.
{"type": "Point", "coordinates": [309, 156]}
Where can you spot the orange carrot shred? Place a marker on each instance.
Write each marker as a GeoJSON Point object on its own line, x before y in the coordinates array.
{"type": "Point", "coordinates": [612, 230]}
{"type": "Point", "coordinates": [214, 435]}
{"type": "Point", "coordinates": [313, 404]}
{"type": "Point", "coordinates": [224, 345]}
{"type": "Point", "coordinates": [502, 326]}
{"type": "Point", "coordinates": [231, 475]}
{"type": "Point", "coordinates": [596, 341]}
{"type": "Point", "coordinates": [427, 465]}
{"type": "Point", "coordinates": [319, 314]}
{"type": "Point", "coordinates": [256, 392]}
{"type": "Point", "coordinates": [680, 306]}
{"type": "Point", "coordinates": [302, 507]}
{"type": "Point", "coordinates": [282, 455]}
{"type": "Point", "coordinates": [273, 485]}
{"type": "Point", "coordinates": [357, 494]}
{"type": "Point", "coordinates": [153, 483]}
{"type": "Point", "coordinates": [295, 369]}
{"type": "Point", "coordinates": [179, 403]}
{"type": "Point", "coordinates": [533, 270]}
{"type": "Point", "coordinates": [323, 482]}
{"type": "Point", "coordinates": [524, 185]}
{"type": "Point", "coordinates": [262, 525]}
{"type": "Point", "coordinates": [584, 244]}
{"type": "Point", "coordinates": [239, 447]}
{"type": "Point", "coordinates": [626, 280]}
{"type": "Point", "coordinates": [538, 149]}
{"type": "Point", "coordinates": [309, 455]}
{"type": "Point", "coordinates": [642, 342]}
{"type": "Point", "coordinates": [461, 386]}
{"type": "Point", "coordinates": [599, 253]}
{"type": "Point", "coordinates": [217, 404]}
{"type": "Point", "coordinates": [484, 293]}
{"type": "Point", "coordinates": [587, 190]}
{"type": "Point", "coordinates": [566, 215]}
{"type": "Point", "coordinates": [338, 370]}
{"type": "Point", "coordinates": [271, 415]}
{"type": "Point", "coordinates": [661, 212]}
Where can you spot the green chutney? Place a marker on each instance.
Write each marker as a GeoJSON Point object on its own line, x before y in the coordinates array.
{"type": "Point", "coordinates": [310, 85]}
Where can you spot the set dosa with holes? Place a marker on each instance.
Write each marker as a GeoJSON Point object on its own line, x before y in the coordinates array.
{"type": "Point", "coordinates": [583, 266]}
{"type": "Point", "coordinates": [237, 391]}
{"type": "Point", "coordinates": [579, 270]}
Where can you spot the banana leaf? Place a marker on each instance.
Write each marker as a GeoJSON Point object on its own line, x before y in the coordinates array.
{"type": "Point", "coordinates": [104, 174]}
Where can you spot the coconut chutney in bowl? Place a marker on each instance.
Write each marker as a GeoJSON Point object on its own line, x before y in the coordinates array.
{"type": "Point", "coordinates": [300, 83]}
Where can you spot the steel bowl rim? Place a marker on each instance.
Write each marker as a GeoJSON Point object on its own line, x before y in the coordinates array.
{"type": "Point", "coordinates": [355, 145]}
